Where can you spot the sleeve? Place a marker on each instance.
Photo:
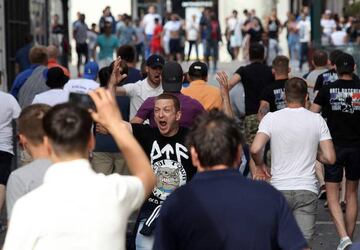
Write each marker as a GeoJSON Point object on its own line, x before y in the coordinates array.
{"type": "Point", "coordinates": [318, 83]}
{"type": "Point", "coordinates": [35, 100]}
{"type": "Point", "coordinates": [265, 125]}
{"type": "Point", "coordinates": [321, 98]}
{"type": "Point", "coordinates": [139, 131]}
{"type": "Point", "coordinates": [130, 191]}
{"type": "Point", "coordinates": [130, 89]}
{"type": "Point", "coordinates": [324, 130]}
{"type": "Point", "coordinates": [289, 235]}
{"type": "Point", "coordinates": [15, 188]}
{"type": "Point", "coordinates": [144, 112]}
{"type": "Point", "coordinates": [165, 237]}
{"type": "Point", "coordinates": [16, 107]}
{"type": "Point", "coordinates": [239, 71]}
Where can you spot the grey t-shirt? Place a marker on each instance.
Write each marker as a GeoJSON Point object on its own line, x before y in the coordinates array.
{"type": "Point", "coordinates": [24, 180]}
{"type": "Point", "coordinates": [81, 32]}
{"type": "Point", "coordinates": [35, 84]}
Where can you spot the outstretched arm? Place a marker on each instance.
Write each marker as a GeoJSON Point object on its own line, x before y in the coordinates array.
{"type": "Point", "coordinates": [222, 78]}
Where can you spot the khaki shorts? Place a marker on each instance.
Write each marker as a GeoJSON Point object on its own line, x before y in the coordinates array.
{"type": "Point", "coordinates": [109, 163]}
{"type": "Point", "coordinates": [251, 128]}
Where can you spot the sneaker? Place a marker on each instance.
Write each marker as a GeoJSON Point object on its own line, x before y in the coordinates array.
{"type": "Point", "coordinates": [326, 205]}
{"type": "Point", "coordinates": [322, 193]}
{"type": "Point", "coordinates": [344, 243]}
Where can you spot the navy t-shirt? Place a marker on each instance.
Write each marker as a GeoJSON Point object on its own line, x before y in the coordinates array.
{"type": "Point", "coordinates": [223, 210]}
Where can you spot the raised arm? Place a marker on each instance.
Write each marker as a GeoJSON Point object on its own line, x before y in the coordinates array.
{"type": "Point", "coordinates": [108, 115]}
{"type": "Point", "coordinates": [234, 80]}
{"type": "Point", "coordinates": [222, 78]}
{"type": "Point", "coordinates": [115, 78]}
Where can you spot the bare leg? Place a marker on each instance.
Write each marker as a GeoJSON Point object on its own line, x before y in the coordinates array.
{"type": "Point", "coordinates": [343, 189]}
{"type": "Point", "coordinates": [332, 190]}
{"type": "Point", "coordinates": [351, 195]}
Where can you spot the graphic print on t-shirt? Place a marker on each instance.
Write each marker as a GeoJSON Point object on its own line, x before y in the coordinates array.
{"type": "Point", "coordinates": [279, 95]}
{"type": "Point", "coordinates": [169, 171]}
{"type": "Point", "coordinates": [345, 100]}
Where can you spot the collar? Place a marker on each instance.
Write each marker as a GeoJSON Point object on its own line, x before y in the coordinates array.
{"type": "Point", "coordinates": [209, 174]}
{"type": "Point", "coordinates": [67, 170]}
{"type": "Point", "coordinates": [198, 83]}
{"type": "Point", "coordinates": [51, 60]}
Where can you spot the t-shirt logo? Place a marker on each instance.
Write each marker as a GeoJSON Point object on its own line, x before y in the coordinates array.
{"type": "Point", "coordinates": [345, 100]}
{"type": "Point", "coordinates": [279, 95]}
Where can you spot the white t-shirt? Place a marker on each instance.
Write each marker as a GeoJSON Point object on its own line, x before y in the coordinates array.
{"type": "Point", "coordinates": [328, 26]}
{"type": "Point", "coordinates": [75, 208]}
{"type": "Point", "coordinates": [304, 31]}
{"type": "Point", "coordinates": [192, 29]}
{"type": "Point", "coordinates": [52, 97]}
{"type": "Point", "coordinates": [338, 38]}
{"type": "Point", "coordinates": [294, 134]}
{"type": "Point", "coordinates": [172, 26]}
{"type": "Point", "coordinates": [139, 92]}
{"type": "Point", "coordinates": [9, 110]}
{"type": "Point", "coordinates": [82, 86]}
{"type": "Point", "coordinates": [149, 22]}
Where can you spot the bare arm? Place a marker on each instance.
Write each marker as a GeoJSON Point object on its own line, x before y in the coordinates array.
{"type": "Point", "coordinates": [115, 78]}
{"type": "Point", "coordinates": [222, 78]}
{"type": "Point", "coordinates": [108, 114]}
{"type": "Point", "coordinates": [316, 108]}
{"type": "Point", "coordinates": [137, 120]}
{"type": "Point", "coordinates": [257, 154]}
{"type": "Point", "coordinates": [326, 153]}
{"type": "Point", "coordinates": [234, 80]}
{"type": "Point", "coordinates": [263, 109]}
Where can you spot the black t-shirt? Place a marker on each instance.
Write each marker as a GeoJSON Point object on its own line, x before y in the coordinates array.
{"type": "Point", "coordinates": [255, 77]}
{"type": "Point", "coordinates": [274, 94]}
{"type": "Point", "coordinates": [325, 79]}
{"type": "Point", "coordinates": [274, 26]}
{"type": "Point", "coordinates": [170, 160]}
{"type": "Point", "coordinates": [341, 99]}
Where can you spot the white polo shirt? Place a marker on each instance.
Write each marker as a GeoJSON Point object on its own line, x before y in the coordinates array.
{"type": "Point", "coordinates": [9, 110]}
{"type": "Point", "coordinates": [52, 97]}
{"type": "Point", "coordinates": [139, 92]}
{"type": "Point", "coordinates": [294, 134]}
{"type": "Point", "coordinates": [74, 209]}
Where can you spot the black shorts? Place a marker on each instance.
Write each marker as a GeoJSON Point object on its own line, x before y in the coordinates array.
{"type": "Point", "coordinates": [82, 48]}
{"type": "Point", "coordinates": [174, 45]}
{"type": "Point", "coordinates": [5, 166]}
{"type": "Point", "coordinates": [348, 158]}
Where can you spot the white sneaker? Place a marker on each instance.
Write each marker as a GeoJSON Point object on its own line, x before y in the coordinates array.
{"type": "Point", "coordinates": [344, 243]}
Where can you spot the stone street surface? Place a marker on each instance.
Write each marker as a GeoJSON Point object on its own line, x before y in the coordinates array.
{"type": "Point", "coordinates": [325, 234]}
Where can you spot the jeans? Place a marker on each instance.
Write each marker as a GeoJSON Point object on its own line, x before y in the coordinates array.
{"type": "Point", "coordinates": [212, 49]}
{"type": "Point", "coordinates": [191, 43]}
{"type": "Point", "coordinates": [139, 51]}
{"type": "Point", "coordinates": [148, 46]}
{"type": "Point", "coordinates": [293, 43]}
{"type": "Point", "coordinates": [303, 203]}
{"type": "Point", "coordinates": [143, 242]}
{"type": "Point", "coordinates": [303, 54]}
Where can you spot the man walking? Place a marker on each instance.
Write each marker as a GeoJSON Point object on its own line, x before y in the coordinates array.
{"type": "Point", "coordinates": [341, 101]}
{"type": "Point", "coordinates": [297, 138]}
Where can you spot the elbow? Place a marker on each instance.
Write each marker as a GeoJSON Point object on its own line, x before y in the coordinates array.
{"type": "Point", "coordinates": [254, 151]}
{"type": "Point", "coordinates": [332, 159]}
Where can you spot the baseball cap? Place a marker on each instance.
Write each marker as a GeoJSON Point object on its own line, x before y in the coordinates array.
{"type": "Point", "coordinates": [155, 61]}
{"type": "Point", "coordinates": [172, 77]}
{"type": "Point", "coordinates": [345, 63]}
{"type": "Point", "coordinates": [91, 70]}
{"type": "Point", "coordinates": [56, 78]}
{"type": "Point", "coordinates": [198, 69]}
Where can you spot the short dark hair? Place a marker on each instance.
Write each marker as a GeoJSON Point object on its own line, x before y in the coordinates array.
{"type": "Point", "coordinates": [216, 138]}
{"type": "Point", "coordinates": [166, 96]}
{"type": "Point", "coordinates": [256, 52]}
{"type": "Point", "coordinates": [38, 55]}
{"type": "Point", "coordinates": [281, 65]}
{"type": "Point", "coordinates": [295, 90]}
{"type": "Point", "coordinates": [104, 76]}
{"type": "Point", "coordinates": [68, 128]}
{"type": "Point", "coordinates": [127, 53]}
{"type": "Point", "coordinates": [30, 123]}
{"type": "Point", "coordinates": [320, 58]}
{"type": "Point", "coordinates": [334, 55]}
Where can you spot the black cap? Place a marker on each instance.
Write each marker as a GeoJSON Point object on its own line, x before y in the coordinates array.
{"type": "Point", "coordinates": [56, 78]}
{"type": "Point", "coordinates": [155, 61]}
{"type": "Point", "coordinates": [198, 69]}
{"type": "Point", "coordinates": [172, 77]}
{"type": "Point", "coordinates": [345, 63]}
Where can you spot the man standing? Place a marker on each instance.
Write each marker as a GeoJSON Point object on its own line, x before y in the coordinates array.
{"type": "Point", "coordinates": [141, 90]}
{"type": "Point", "coordinates": [341, 100]}
{"type": "Point", "coordinates": [273, 98]}
{"type": "Point", "coordinates": [76, 208]}
{"type": "Point", "coordinates": [304, 28]}
{"type": "Point", "coordinates": [80, 36]}
{"type": "Point", "coordinates": [148, 23]}
{"type": "Point", "coordinates": [231, 212]}
{"type": "Point", "coordinates": [297, 137]}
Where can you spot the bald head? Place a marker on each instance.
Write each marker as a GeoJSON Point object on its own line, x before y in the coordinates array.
{"type": "Point", "coordinates": [52, 52]}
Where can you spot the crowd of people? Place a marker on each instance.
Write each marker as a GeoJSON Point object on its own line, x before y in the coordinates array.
{"type": "Point", "coordinates": [198, 169]}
